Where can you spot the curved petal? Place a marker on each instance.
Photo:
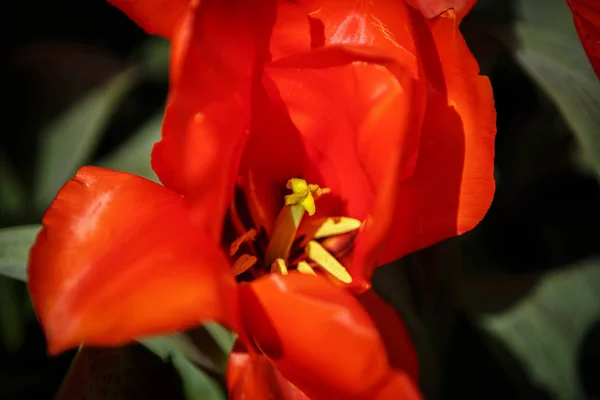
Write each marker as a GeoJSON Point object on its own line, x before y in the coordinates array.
{"type": "Point", "coordinates": [336, 112]}
{"type": "Point", "coordinates": [316, 334]}
{"type": "Point", "coordinates": [344, 117]}
{"type": "Point", "coordinates": [586, 15]}
{"type": "Point", "coordinates": [303, 89]}
{"type": "Point", "coordinates": [401, 352]}
{"type": "Point", "coordinates": [118, 259]}
{"type": "Point", "coordinates": [432, 8]}
{"type": "Point", "coordinates": [452, 185]}
{"type": "Point", "coordinates": [213, 60]}
{"type": "Point", "coordinates": [252, 376]}
{"type": "Point", "coordinates": [156, 17]}
{"type": "Point", "coordinates": [311, 24]}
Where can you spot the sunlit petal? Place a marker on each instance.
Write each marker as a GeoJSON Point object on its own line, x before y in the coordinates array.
{"type": "Point", "coordinates": [117, 259]}
{"type": "Point", "coordinates": [316, 334]}
{"type": "Point", "coordinates": [214, 57]}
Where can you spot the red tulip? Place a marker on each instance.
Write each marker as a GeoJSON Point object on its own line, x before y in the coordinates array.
{"type": "Point", "coordinates": [304, 144]}
{"type": "Point", "coordinates": [586, 15]}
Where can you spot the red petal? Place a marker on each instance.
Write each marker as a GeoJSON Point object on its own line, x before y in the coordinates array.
{"type": "Point", "coordinates": [586, 15]}
{"type": "Point", "coordinates": [316, 334]}
{"type": "Point", "coordinates": [252, 376]}
{"type": "Point", "coordinates": [276, 150]}
{"type": "Point", "coordinates": [213, 62]}
{"type": "Point", "coordinates": [432, 8]}
{"type": "Point", "coordinates": [331, 118]}
{"type": "Point", "coordinates": [157, 17]}
{"type": "Point", "coordinates": [293, 31]}
{"type": "Point", "coordinates": [380, 25]}
{"type": "Point", "coordinates": [397, 386]}
{"type": "Point", "coordinates": [347, 120]}
{"type": "Point", "coordinates": [452, 185]}
{"type": "Point", "coordinates": [118, 259]}
{"type": "Point", "coordinates": [310, 24]}
{"type": "Point", "coordinates": [401, 352]}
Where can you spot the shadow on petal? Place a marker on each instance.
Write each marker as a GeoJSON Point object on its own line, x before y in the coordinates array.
{"type": "Point", "coordinates": [252, 376]}
{"type": "Point", "coordinates": [326, 343]}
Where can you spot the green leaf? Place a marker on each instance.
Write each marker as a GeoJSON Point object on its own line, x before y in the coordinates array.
{"type": "Point", "coordinates": [12, 192]}
{"type": "Point", "coordinates": [15, 243]}
{"type": "Point", "coordinates": [222, 336]}
{"type": "Point", "coordinates": [553, 15]}
{"type": "Point", "coordinates": [154, 54]}
{"type": "Point", "coordinates": [134, 155]}
{"type": "Point", "coordinates": [544, 331]}
{"type": "Point", "coordinates": [186, 359]}
{"type": "Point", "coordinates": [67, 142]}
{"type": "Point", "coordinates": [549, 50]}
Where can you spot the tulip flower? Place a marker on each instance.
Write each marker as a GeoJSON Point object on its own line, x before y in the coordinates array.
{"type": "Point", "coordinates": [304, 144]}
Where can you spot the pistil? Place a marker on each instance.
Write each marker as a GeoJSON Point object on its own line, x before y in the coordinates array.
{"type": "Point", "coordinates": [287, 222]}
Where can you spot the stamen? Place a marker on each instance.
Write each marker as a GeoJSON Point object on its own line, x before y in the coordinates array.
{"type": "Point", "coordinates": [279, 266]}
{"type": "Point", "coordinates": [304, 268]}
{"type": "Point", "coordinates": [328, 226]}
{"type": "Point", "coordinates": [328, 262]}
{"type": "Point", "coordinates": [243, 264]}
{"type": "Point", "coordinates": [247, 236]}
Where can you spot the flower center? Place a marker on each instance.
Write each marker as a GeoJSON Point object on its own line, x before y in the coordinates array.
{"type": "Point", "coordinates": [312, 247]}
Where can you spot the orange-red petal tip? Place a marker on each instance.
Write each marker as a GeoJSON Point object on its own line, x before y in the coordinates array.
{"type": "Point", "coordinates": [118, 259]}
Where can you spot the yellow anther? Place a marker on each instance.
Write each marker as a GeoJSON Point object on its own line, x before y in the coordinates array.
{"type": "Point", "coordinates": [279, 267]}
{"type": "Point", "coordinates": [336, 226]}
{"type": "Point", "coordinates": [328, 262]}
{"type": "Point", "coordinates": [328, 226]}
{"type": "Point", "coordinates": [303, 194]}
{"type": "Point", "coordinates": [304, 268]}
